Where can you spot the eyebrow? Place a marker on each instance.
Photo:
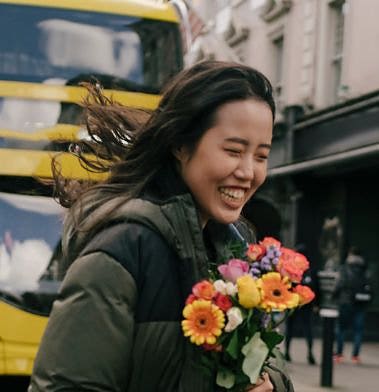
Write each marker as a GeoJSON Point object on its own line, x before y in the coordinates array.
{"type": "Point", "coordinates": [246, 142]}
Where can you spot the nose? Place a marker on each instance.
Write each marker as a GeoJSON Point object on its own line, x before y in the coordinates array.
{"type": "Point", "coordinates": [245, 169]}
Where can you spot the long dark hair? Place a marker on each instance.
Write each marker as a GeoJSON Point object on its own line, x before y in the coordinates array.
{"type": "Point", "coordinates": [131, 146]}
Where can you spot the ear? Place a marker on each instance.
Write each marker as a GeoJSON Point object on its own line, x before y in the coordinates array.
{"type": "Point", "coordinates": [180, 153]}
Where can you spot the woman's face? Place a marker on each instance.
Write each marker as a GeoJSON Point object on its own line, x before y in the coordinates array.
{"type": "Point", "coordinates": [230, 161]}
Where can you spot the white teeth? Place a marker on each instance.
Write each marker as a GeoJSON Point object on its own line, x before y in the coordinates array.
{"type": "Point", "coordinates": [235, 194]}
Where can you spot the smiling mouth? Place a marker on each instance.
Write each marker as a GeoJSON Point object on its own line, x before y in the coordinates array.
{"type": "Point", "coordinates": [232, 194]}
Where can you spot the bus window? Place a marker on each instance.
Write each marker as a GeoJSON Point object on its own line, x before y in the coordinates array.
{"type": "Point", "coordinates": [30, 230]}
{"type": "Point", "coordinates": [61, 47]}
{"type": "Point", "coordinates": [59, 44]}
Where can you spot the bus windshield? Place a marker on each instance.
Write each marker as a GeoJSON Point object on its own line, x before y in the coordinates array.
{"type": "Point", "coordinates": [59, 46]}
{"type": "Point", "coordinates": [30, 230]}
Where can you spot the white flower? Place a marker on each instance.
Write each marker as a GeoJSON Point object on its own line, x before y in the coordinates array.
{"type": "Point", "coordinates": [220, 286]}
{"type": "Point", "coordinates": [234, 319]}
{"type": "Point", "coordinates": [231, 288]}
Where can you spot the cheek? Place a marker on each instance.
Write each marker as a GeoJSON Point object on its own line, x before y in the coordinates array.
{"type": "Point", "coordinates": [260, 176]}
{"type": "Point", "coordinates": [196, 178]}
{"type": "Point", "coordinates": [214, 170]}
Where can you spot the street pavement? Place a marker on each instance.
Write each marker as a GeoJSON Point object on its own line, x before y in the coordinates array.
{"type": "Point", "coordinates": [347, 377]}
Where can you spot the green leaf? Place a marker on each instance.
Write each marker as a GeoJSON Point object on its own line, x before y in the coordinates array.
{"type": "Point", "coordinates": [255, 351]}
{"type": "Point", "coordinates": [234, 250]}
{"type": "Point", "coordinates": [272, 338]}
{"type": "Point", "coordinates": [232, 347]}
{"type": "Point", "coordinates": [251, 323]}
{"type": "Point", "coordinates": [225, 378]}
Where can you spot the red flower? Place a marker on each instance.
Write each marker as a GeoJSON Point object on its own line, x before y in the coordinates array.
{"type": "Point", "coordinates": [212, 347]}
{"type": "Point", "coordinates": [190, 299]}
{"type": "Point", "coordinates": [204, 290]}
{"type": "Point", "coordinates": [255, 252]}
{"type": "Point", "coordinates": [223, 302]}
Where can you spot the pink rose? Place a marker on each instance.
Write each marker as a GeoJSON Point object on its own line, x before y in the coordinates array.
{"type": "Point", "coordinates": [234, 269]}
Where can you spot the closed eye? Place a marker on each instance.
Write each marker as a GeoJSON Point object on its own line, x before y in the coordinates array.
{"type": "Point", "coordinates": [233, 152]}
{"type": "Point", "coordinates": [262, 157]}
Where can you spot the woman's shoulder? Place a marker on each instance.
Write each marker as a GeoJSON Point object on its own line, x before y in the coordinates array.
{"type": "Point", "coordinates": [118, 237]}
{"type": "Point", "coordinates": [127, 243]}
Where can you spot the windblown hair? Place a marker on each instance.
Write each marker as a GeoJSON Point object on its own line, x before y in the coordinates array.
{"type": "Point", "coordinates": [131, 146]}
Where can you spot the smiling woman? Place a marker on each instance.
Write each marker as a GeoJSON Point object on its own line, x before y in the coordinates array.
{"type": "Point", "coordinates": [134, 245]}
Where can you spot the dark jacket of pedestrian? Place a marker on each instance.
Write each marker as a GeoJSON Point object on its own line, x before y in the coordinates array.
{"type": "Point", "coordinates": [352, 279]}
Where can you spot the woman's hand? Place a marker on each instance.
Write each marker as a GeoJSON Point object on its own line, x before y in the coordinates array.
{"type": "Point", "coordinates": [263, 384]}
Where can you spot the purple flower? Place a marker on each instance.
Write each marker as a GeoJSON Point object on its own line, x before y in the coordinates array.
{"type": "Point", "coordinates": [255, 272]}
{"type": "Point", "coordinates": [265, 260]}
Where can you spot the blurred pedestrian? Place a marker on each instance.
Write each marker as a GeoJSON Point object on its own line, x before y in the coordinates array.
{"type": "Point", "coordinates": [303, 318]}
{"type": "Point", "coordinates": [353, 294]}
{"type": "Point", "coordinates": [137, 243]}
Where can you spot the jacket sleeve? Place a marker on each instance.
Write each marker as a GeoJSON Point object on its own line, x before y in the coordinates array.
{"type": "Point", "coordinates": [87, 343]}
{"type": "Point", "coordinates": [279, 378]}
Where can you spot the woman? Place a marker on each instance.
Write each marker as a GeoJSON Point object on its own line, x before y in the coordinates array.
{"type": "Point", "coordinates": [137, 243]}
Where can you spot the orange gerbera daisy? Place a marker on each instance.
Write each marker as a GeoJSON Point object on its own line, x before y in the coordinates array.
{"type": "Point", "coordinates": [275, 292]}
{"type": "Point", "coordinates": [204, 322]}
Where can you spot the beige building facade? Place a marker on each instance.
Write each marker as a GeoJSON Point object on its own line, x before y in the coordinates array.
{"type": "Point", "coordinates": [316, 52]}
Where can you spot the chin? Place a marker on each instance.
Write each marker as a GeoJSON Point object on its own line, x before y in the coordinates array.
{"type": "Point", "coordinates": [228, 218]}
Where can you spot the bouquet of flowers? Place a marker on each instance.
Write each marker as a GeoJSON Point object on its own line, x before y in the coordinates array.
{"type": "Point", "coordinates": [233, 316]}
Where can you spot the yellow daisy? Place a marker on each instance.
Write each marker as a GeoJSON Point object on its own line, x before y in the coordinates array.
{"type": "Point", "coordinates": [203, 322]}
{"type": "Point", "coordinates": [275, 292]}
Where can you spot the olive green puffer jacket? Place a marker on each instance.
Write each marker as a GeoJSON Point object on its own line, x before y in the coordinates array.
{"type": "Point", "coordinates": [116, 323]}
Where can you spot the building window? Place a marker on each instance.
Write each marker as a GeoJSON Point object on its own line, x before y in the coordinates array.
{"type": "Point", "coordinates": [337, 9]}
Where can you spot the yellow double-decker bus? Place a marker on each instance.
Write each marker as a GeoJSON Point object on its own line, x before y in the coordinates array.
{"type": "Point", "coordinates": [47, 48]}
